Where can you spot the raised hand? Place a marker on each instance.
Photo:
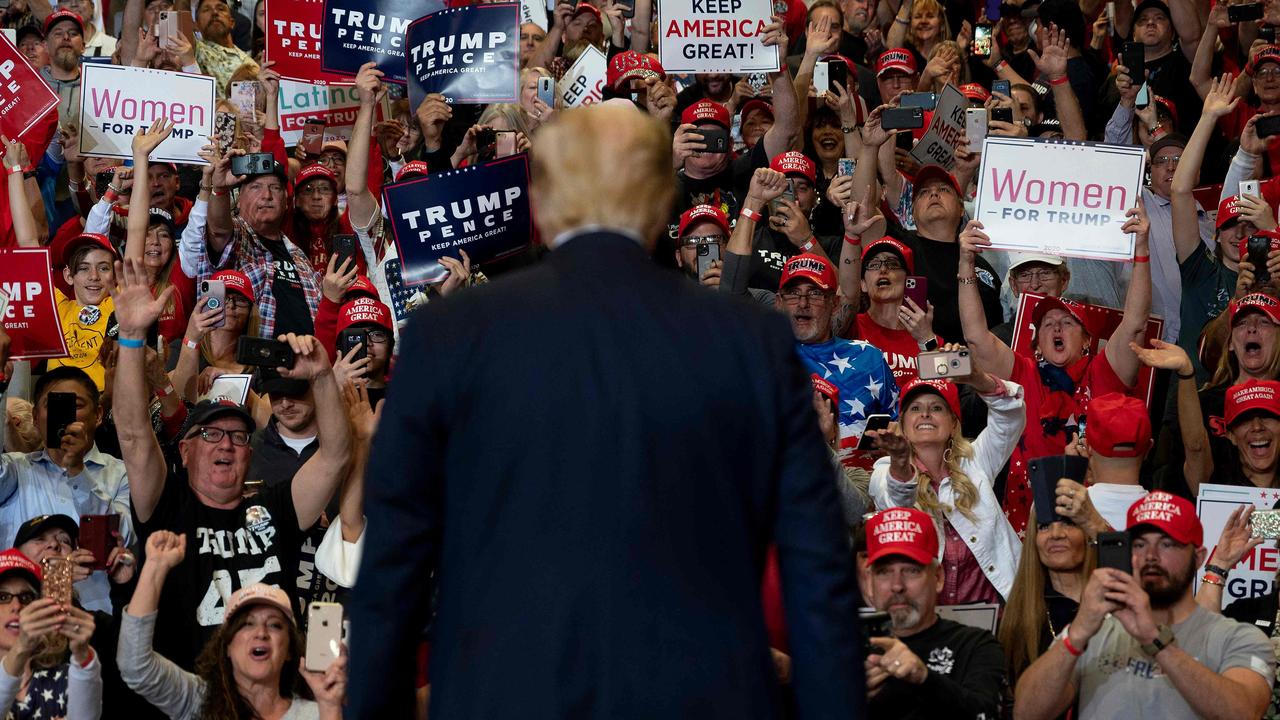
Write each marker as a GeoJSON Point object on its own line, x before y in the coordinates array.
{"type": "Point", "coordinates": [1220, 100]}
{"type": "Point", "coordinates": [149, 139]}
{"type": "Point", "coordinates": [767, 184]}
{"type": "Point", "coordinates": [136, 308]}
{"type": "Point", "coordinates": [1163, 356]}
{"type": "Point", "coordinates": [310, 360]}
{"type": "Point", "coordinates": [363, 416]}
{"type": "Point", "coordinates": [1052, 59]}
{"type": "Point", "coordinates": [337, 279]}
{"type": "Point", "coordinates": [77, 627]}
{"type": "Point", "coordinates": [972, 242]}
{"type": "Point", "coordinates": [369, 86]}
{"type": "Point", "coordinates": [459, 272]}
{"type": "Point", "coordinates": [165, 550]}
{"type": "Point", "coordinates": [15, 153]}
{"type": "Point", "coordinates": [858, 218]}
{"type": "Point", "coordinates": [347, 369]}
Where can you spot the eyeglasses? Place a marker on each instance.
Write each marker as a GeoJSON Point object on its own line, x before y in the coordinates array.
{"type": "Point", "coordinates": [317, 189]}
{"type": "Point", "coordinates": [886, 265]}
{"type": "Point", "coordinates": [702, 240]}
{"type": "Point", "coordinates": [810, 295]}
{"type": "Point", "coordinates": [24, 598]}
{"type": "Point", "coordinates": [1167, 160]}
{"type": "Point", "coordinates": [1040, 275]}
{"type": "Point", "coordinates": [379, 337]}
{"type": "Point", "coordinates": [214, 435]}
{"type": "Point", "coordinates": [238, 301]}
{"type": "Point", "coordinates": [1268, 73]}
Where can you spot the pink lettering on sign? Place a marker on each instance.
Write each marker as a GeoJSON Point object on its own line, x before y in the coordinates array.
{"type": "Point", "coordinates": [108, 105]}
{"type": "Point", "coordinates": [1060, 193]}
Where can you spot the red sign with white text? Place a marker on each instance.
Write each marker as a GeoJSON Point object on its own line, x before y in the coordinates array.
{"type": "Point", "coordinates": [24, 95]}
{"type": "Point", "coordinates": [293, 41]}
{"type": "Point", "coordinates": [31, 320]}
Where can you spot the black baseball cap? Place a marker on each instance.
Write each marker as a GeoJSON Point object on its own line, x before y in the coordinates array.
{"type": "Point", "coordinates": [160, 216]}
{"type": "Point", "coordinates": [207, 410]}
{"type": "Point", "coordinates": [32, 528]}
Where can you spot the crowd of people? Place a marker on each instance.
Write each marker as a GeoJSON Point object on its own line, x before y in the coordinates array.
{"type": "Point", "coordinates": [201, 532]}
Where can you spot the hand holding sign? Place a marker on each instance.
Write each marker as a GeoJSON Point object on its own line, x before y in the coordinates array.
{"type": "Point", "coordinates": [972, 242]}
{"type": "Point", "coordinates": [1138, 224]}
{"type": "Point", "coordinates": [15, 153]}
{"type": "Point", "coordinates": [150, 138]}
{"type": "Point", "coordinates": [369, 86]}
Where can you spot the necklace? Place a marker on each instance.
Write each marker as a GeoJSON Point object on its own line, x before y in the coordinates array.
{"type": "Point", "coordinates": [1053, 632]}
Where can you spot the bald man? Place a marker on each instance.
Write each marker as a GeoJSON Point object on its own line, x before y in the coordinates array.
{"type": "Point", "coordinates": [591, 459]}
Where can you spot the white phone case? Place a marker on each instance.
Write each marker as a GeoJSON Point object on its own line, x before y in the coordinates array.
{"type": "Point", "coordinates": [821, 80]}
{"type": "Point", "coordinates": [975, 126]}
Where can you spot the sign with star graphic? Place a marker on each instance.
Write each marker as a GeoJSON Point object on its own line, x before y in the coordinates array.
{"type": "Point", "coordinates": [1256, 571]}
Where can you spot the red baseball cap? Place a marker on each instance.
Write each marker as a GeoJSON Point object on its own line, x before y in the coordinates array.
{"type": "Point", "coordinates": [1072, 308]}
{"type": "Point", "coordinates": [1267, 53]}
{"type": "Point", "coordinates": [13, 561]}
{"type": "Point", "coordinates": [1261, 302]}
{"type": "Point", "coordinates": [585, 7]}
{"type": "Point", "coordinates": [1261, 395]}
{"type": "Point", "coordinates": [896, 59]}
{"type": "Point", "coordinates": [699, 213]}
{"type": "Point", "coordinates": [754, 105]}
{"type": "Point", "coordinates": [828, 390]}
{"type": "Point", "coordinates": [794, 162]}
{"type": "Point", "coordinates": [633, 64]}
{"type": "Point", "coordinates": [1228, 210]}
{"type": "Point", "coordinates": [95, 239]}
{"type": "Point", "coordinates": [934, 172]}
{"type": "Point", "coordinates": [58, 15]}
{"type": "Point", "coordinates": [1169, 109]}
{"type": "Point", "coordinates": [889, 244]}
{"type": "Point", "coordinates": [236, 281]}
{"type": "Point", "coordinates": [1117, 420]}
{"type": "Point", "coordinates": [808, 266]}
{"type": "Point", "coordinates": [903, 531]}
{"type": "Point", "coordinates": [413, 168]}
{"type": "Point", "coordinates": [975, 92]}
{"type": "Point", "coordinates": [946, 389]}
{"type": "Point", "coordinates": [706, 111]}
{"type": "Point", "coordinates": [1170, 514]}
{"type": "Point", "coordinates": [362, 311]}
{"type": "Point", "coordinates": [313, 171]}
{"type": "Point", "coordinates": [362, 288]}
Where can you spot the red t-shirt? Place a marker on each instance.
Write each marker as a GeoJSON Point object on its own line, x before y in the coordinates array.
{"type": "Point", "coordinates": [899, 348]}
{"type": "Point", "coordinates": [173, 323]}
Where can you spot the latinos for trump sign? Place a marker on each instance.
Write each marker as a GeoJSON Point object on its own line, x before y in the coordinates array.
{"type": "Point", "coordinates": [24, 95]}
{"type": "Point", "coordinates": [31, 319]}
{"type": "Point", "coordinates": [337, 104]}
{"type": "Point", "coordinates": [116, 102]}
{"type": "Point", "coordinates": [721, 36]}
{"type": "Point", "coordinates": [294, 41]}
{"type": "Point", "coordinates": [1256, 571]}
{"type": "Point", "coordinates": [584, 83]}
{"type": "Point", "coordinates": [469, 55]}
{"type": "Point", "coordinates": [938, 145]}
{"type": "Point", "coordinates": [483, 209]}
{"type": "Point", "coordinates": [1059, 197]}
{"type": "Point", "coordinates": [360, 31]}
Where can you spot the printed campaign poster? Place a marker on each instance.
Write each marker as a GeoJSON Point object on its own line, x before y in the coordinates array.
{"type": "Point", "coordinates": [720, 36]}
{"type": "Point", "coordinates": [1102, 322]}
{"type": "Point", "coordinates": [25, 97]}
{"type": "Point", "coordinates": [1255, 572]}
{"type": "Point", "coordinates": [984, 616]}
{"type": "Point", "coordinates": [583, 84]}
{"type": "Point", "coordinates": [938, 145]}
{"type": "Point", "coordinates": [534, 11]}
{"type": "Point", "coordinates": [336, 104]}
{"type": "Point", "coordinates": [1059, 197]}
{"type": "Point", "coordinates": [294, 41]}
{"type": "Point", "coordinates": [31, 318]}
{"type": "Point", "coordinates": [483, 209]}
{"type": "Point", "coordinates": [469, 55]}
{"type": "Point", "coordinates": [359, 31]}
{"type": "Point", "coordinates": [116, 101]}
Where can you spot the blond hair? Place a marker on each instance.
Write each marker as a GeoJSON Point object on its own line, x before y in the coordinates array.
{"type": "Point", "coordinates": [963, 490]}
{"type": "Point", "coordinates": [607, 164]}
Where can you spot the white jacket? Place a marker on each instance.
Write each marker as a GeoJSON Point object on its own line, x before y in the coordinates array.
{"type": "Point", "coordinates": [988, 534]}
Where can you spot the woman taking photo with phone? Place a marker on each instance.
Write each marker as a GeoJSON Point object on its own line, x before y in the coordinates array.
{"type": "Point", "coordinates": [930, 466]}
{"type": "Point", "coordinates": [250, 667]}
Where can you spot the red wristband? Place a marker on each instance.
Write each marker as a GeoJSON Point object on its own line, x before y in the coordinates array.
{"type": "Point", "coordinates": [1059, 80]}
{"type": "Point", "coordinates": [1141, 258]}
{"type": "Point", "coordinates": [1066, 643]}
{"type": "Point", "coordinates": [853, 239]}
{"type": "Point", "coordinates": [87, 660]}
{"type": "Point", "coordinates": [751, 215]}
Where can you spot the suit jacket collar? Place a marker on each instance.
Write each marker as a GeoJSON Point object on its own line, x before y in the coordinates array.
{"type": "Point", "coordinates": [578, 232]}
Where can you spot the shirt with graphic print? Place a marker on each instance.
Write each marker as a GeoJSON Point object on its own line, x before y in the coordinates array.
{"type": "Point", "coordinates": [866, 385]}
{"type": "Point", "coordinates": [965, 680]}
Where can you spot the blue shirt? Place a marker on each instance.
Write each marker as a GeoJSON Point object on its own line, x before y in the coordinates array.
{"type": "Point", "coordinates": [857, 368]}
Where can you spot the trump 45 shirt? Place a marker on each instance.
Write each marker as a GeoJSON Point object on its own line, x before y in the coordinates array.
{"type": "Point", "coordinates": [866, 384]}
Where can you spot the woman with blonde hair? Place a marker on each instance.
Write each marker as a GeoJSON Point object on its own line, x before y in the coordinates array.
{"type": "Point", "coordinates": [932, 467]}
{"type": "Point", "coordinates": [502, 117]}
{"type": "Point", "coordinates": [919, 26]}
{"type": "Point", "coordinates": [535, 111]}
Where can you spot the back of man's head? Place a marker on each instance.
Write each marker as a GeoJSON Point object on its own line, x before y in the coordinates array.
{"type": "Point", "coordinates": [607, 165]}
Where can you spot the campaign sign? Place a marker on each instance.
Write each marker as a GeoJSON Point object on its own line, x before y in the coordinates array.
{"type": "Point", "coordinates": [24, 95]}
{"type": "Point", "coordinates": [359, 31]}
{"type": "Point", "coordinates": [294, 40]}
{"type": "Point", "coordinates": [1059, 197]}
{"type": "Point", "coordinates": [583, 84]}
{"type": "Point", "coordinates": [336, 104]}
{"type": "Point", "coordinates": [720, 36]}
{"type": "Point", "coordinates": [1102, 322]}
{"type": "Point", "coordinates": [117, 101]}
{"type": "Point", "coordinates": [31, 319]}
{"type": "Point", "coordinates": [534, 11]}
{"type": "Point", "coordinates": [483, 209]}
{"type": "Point", "coordinates": [938, 144]}
{"type": "Point", "coordinates": [1256, 571]}
{"type": "Point", "coordinates": [468, 54]}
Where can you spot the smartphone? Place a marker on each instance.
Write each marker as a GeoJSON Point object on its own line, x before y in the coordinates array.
{"type": "Point", "coordinates": [874, 423]}
{"type": "Point", "coordinates": [905, 141]}
{"type": "Point", "coordinates": [707, 254]}
{"type": "Point", "coordinates": [775, 205]}
{"type": "Point", "coordinates": [1265, 524]}
{"type": "Point", "coordinates": [504, 143]}
{"type": "Point", "coordinates": [344, 248]}
{"type": "Point", "coordinates": [263, 352]}
{"type": "Point", "coordinates": [1268, 126]}
{"type": "Point", "coordinates": [1244, 12]}
{"type": "Point", "coordinates": [716, 139]}
{"type": "Point", "coordinates": [225, 125]}
{"type": "Point", "coordinates": [547, 91]}
{"type": "Point", "coordinates": [902, 118]}
{"type": "Point", "coordinates": [837, 73]}
{"type": "Point", "coordinates": [975, 127]}
{"type": "Point", "coordinates": [758, 81]}
{"type": "Point", "coordinates": [1133, 56]}
{"type": "Point", "coordinates": [324, 635]}
{"type": "Point", "coordinates": [1002, 114]}
{"type": "Point", "coordinates": [486, 143]}
{"type": "Point", "coordinates": [313, 136]}
{"type": "Point", "coordinates": [59, 412]}
{"type": "Point", "coordinates": [1257, 248]}
{"type": "Point", "coordinates": [846, 166]}
{"type": "Point", "coordinates": [917, 288]}
{"type": "Point", "coordinates": [1114, 551]}
{"type": "Point", "coordinates": [167, 28]}
{"type": "Point", "coordinates": [982, 40]}
{"type": "Point", "coordinates": [102, 180]}
{"type": "Point", "coordinates": [1044, 474]}
{"type": "Point", "coordinates": [352, 337]}
{"type": "Point", "coordinates": [98, 536]}
{"type": "Point", "coordinates": [628, 7]}
{"type": "Point", "coordinates": [1143, 99]}
{"type": "Point", "coordinates": [244, 95]}
{"type": "Point", "coordinates": [923, 100]}
{"type": "Point", "coordinates": [821, 77]}
{"type": "Point", "coordinates": [253, 164]}
{"type": "Point", "coordinates": [213, 294]}
{"type": "Point", "coordinates": [1250, 187]}
{"type": "Point", "coordinates": [57, 580]}
{"type": "Point", "coordinates": [875, 624]}
{"type": "Point", "coordinates": [1267, 34]}
{"type": "Point", "coordinates": [944, 364]}
{"type": "Point", "coordinates": [1003, 87]}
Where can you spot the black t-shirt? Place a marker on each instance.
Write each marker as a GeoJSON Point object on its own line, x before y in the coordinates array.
{"type": "Point", "coordinates": [1170, 77]}
{"type": "Point", "coordinates": [726, 189]}
{"type": "Point", "coordinates": [939, 262]}
{"type": "Point", "coordinates": [966, 676]}
{"type": "Point", "coordinates": [771, 249]}
{"type": "Point", "coordinates": [1259, 612]}
{"type": "Point", "coordinates": [293, 315]}
{"type": "Point", "coordinates": [256, 542]}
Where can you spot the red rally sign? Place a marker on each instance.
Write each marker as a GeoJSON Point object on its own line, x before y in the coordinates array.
{"type": "Point", "coordinates": [293, 41]}
{"type": "Point", "coordinates": [31, 320]}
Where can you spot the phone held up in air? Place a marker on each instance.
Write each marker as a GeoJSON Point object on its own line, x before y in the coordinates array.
{"type": "Point", "coordinates": [213, 295]}
{"type": "Point", "coordinates": [945, 364]}
{"type": "Point", "coordinates": [313, 136]}
{"type": "Point", "coordinates": [917, 290]}
{"type": "Point", "coordinates": [547, 91]}
{"type": "Point", "coordinates": [922, 100]}
{"type": "Point", "coordinates": [59, 413]}
{"type": "Point", "coordinates": [263, 352]}
{"type": "Point", "coordinates": [98, 536]}
{"type": "Point", "coordinates": [982, 40]}
{"type": "Point", "coordinates": [324, 635]}
{"type": "Point", "coordinates": [902, 118]}
{"type": "Point", "coordinates": [975, 127]}
{"type": "Point", "coordinates": [1133, 55]}
{"type": "Point", "coordinates": [707, 254]}
{"type": "Point", "coordinates": [1250, 187]}
{"type": "Point", "coordinates": [1114, 551]}
{"type": "Point", "coordinates": [1002, 87]}
{"type": "Point", "coordinates": [875, 423]}
{"type": "Point", "coordinates": [351, 338]}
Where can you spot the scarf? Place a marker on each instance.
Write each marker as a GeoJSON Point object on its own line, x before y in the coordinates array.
{"type": "Point", "coordinates": [1061, 409]}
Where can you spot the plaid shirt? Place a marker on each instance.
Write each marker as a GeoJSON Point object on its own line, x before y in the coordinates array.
{"type": "Point", "coordinates": [257, 262]}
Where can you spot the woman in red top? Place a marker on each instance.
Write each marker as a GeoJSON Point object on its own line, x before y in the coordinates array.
{"type": "Point", "coordinates": [1063, 375]}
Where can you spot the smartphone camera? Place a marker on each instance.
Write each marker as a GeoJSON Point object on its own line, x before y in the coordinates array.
{"type": "Point", "coordinates": [253, 164]}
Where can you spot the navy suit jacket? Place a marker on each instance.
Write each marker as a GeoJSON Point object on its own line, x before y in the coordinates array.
{"type": "Point", "coordinates": [593, 456]}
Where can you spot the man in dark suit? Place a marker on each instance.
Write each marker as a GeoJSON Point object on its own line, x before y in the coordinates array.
{"type": "Point", "coordinates": [593, 456]}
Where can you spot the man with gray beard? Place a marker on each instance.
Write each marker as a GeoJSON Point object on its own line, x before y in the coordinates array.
{"type": "Point", "coordinates": [930, 667]}
{"type": "Point", "coordinates": [64, 39]}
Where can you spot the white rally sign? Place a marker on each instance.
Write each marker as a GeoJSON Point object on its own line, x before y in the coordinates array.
{"type": "Point", "coordinates": [938, 145]}
{"type": "Point", "coordinates": [117, 101]}
{"type": "Point", "coordinates": [1255, 572]}
{"type": "Point", "coordinates": [1059, 197]}
{"type": "Point", "coordinates": [534, 11]}
{"type": "Point", "coordinates": [721, 36]}
{"type": "Point", "coordinates": [337, 104]}
{"type": "Point", "coordinates": [584, 83]}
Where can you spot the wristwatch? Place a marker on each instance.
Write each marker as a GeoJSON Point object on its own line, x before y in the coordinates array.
{"type": "Point", "coordinates": [1162, 640]}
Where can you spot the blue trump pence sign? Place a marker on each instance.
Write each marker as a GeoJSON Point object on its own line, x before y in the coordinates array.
{"type": "Point", "coordinates": [469, 55]}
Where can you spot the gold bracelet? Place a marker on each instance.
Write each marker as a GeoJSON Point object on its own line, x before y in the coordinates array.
{"type": "Point", "coordinates": [972, 280]}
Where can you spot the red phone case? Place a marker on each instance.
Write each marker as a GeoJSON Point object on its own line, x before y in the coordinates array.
{"type": "Point", "coordinates": [97, 535]}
